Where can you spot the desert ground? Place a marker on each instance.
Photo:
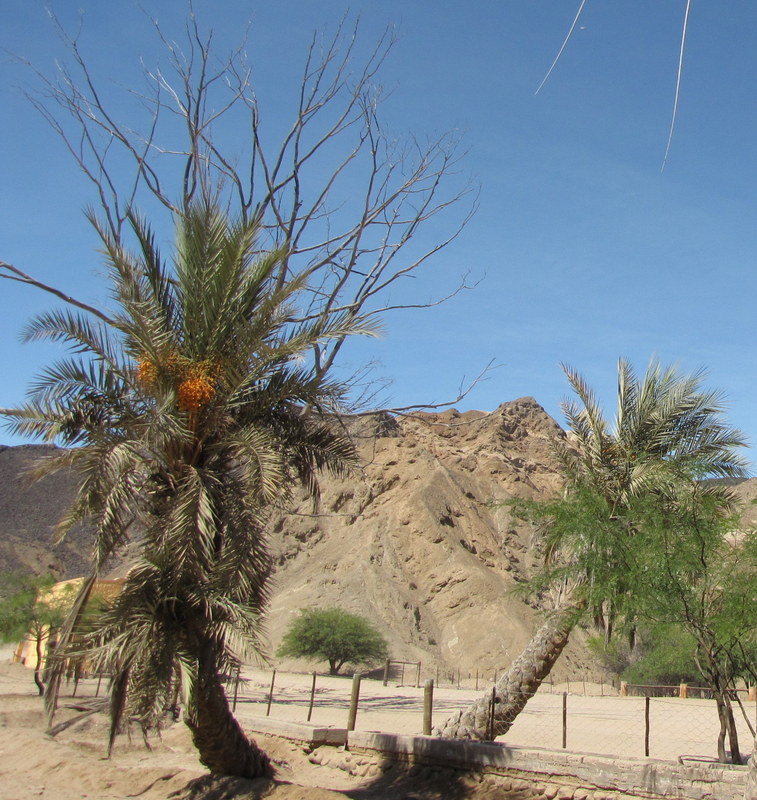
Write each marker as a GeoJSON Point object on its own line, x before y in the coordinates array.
{"type": "Point", "coordinates": [71, 764]}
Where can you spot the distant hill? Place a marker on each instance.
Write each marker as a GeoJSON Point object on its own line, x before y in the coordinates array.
{"type": "Point", "coordinates": [29, 512]}
{"type": "Point", "coordinates": [418, 541]}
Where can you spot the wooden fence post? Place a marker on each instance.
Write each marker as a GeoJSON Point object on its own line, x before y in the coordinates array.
{"type": "Point", "coordinates": [646, 726]}
{"type": "Point", "coordinates": [624, 689]}
{"type": "Point", "coordinates": [386, 672]}
{"type": "Point", "coordinates": [236, 690]}
{"type": "Point", "coordinates": [752, 693]}
{"type": "Point", "coordinates": [312, 698]}
{"type": "Point", "coordinates": [354, 697]}
{"type": "Point", "coordinates": [428, 704]}
{"type": "Point", "coordinates": [418, 676]}
{"type": "Point", "coordinates": [683, 690]}
{"type": "Point", "coordinates": [564, 720]}
{"type": "Point", "coordinates": [270, 694]}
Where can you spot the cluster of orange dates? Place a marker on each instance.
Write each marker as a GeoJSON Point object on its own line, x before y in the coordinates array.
{"type": "Point", "coordinates": [194, 381]}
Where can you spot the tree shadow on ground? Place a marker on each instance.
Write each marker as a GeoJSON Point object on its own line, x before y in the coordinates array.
{"type": "Point", "coordinates": [426, 782]}
{"type": "Point", "coordinates": [397, 781]}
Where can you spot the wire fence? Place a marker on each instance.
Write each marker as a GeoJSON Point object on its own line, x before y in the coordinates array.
{"type": "Point", "coordinates": [668, 728]}
{"type": "Point", "coordinates": [680, 726]}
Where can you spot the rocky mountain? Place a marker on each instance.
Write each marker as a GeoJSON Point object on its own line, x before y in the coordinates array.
{"type": "Point", "coordinates": [29, 511]}
{"type": "Point", "coordinates": [418, 541]}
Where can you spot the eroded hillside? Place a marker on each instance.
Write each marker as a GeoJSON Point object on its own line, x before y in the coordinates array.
{"type": "Point", "coordinates": [420, 542]}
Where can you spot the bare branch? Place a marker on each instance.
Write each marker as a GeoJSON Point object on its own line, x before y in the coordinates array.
{"type": "Point", "coordinates": [17, 275]}
{"type": "Point", "coordinates": [463, 392]}
{"type": "Point", "coordinates": [344, 196]}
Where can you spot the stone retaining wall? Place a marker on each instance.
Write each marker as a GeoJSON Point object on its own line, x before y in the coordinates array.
{"type": "Point", "coordinates": [555, 774]}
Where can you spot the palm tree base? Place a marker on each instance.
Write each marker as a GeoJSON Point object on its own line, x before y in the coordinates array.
{"type": "Point", "coordinates": [490, 717]}
{"type": "Point", "coordinates": [220, 741]}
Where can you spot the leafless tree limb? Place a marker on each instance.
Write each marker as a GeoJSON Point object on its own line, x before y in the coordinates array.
{"type": "Point", "coordinates": [339, 192]}
{"type": "Point", "coordinates": [12, 273]}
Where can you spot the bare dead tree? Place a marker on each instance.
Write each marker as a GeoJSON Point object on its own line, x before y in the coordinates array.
{"type": "Point", "coordinates": [337, 192]}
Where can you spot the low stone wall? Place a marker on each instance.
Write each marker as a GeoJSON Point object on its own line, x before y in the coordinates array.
{"type": "Point", "coordinates": [587, 775]}
{"type": "Point", "coordinates": [555, 774]}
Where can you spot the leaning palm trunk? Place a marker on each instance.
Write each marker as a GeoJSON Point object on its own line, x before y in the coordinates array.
{"type": "Point", "coordinates": [218, 737]}
{"type": "Point", "coordinates": [517, 686]}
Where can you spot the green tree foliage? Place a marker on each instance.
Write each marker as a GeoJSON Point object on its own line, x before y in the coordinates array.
{"type": "Point", "coordinates": [692, 567]}
{"type": "Point", "coordinates": [664, 656]}
{"type": "Point", "coordinates": [333, 635]}
{"type": "Point", "coordinates": [29, 608]}
{"type": "Point", "coordinates": [667, 433]}
{"type": "Point", "coordinates": [190, 415]}
{"type": "Point", "coordinates": [674, 566]}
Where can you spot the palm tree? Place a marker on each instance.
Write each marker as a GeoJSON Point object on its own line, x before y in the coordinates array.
{"type": "Point", "coordinates": [188, 413]}
{"type": "Point", "coordinates": [667, 433]}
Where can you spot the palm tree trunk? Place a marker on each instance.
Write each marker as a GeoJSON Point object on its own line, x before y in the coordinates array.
{"type": "Point", "coordinates": [38, 666]}
{"type": "Point", "coordinates": [218, 737]}
{"type": "Point", "coordinates": [517, 686]}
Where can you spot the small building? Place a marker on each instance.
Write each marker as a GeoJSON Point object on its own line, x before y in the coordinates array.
{"type": "Point", "coordinates": [63, 595]}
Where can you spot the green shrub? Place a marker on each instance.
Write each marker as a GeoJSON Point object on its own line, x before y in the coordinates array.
{"type": "Point", "coordinates": [333, 635]}
{"type": "Point", "coordinates": [667, 659]}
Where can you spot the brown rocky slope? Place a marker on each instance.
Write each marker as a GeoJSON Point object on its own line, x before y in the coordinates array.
{"type": "Point", "coordinates": [418, 541]}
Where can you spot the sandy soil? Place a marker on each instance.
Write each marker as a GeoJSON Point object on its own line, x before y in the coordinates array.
{"type": "Point", "coordinates": [71, 765]}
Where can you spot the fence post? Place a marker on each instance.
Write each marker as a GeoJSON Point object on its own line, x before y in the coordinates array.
{"type": "Point", "coordinates": [418, 676]}
{"type": "Point", "coordinates": [752, 695]}
{"type": "Point", "coordinates": [428, 704]}
{"type": "Point", "coordinates": [354, 697]}
{"type": "Point", "coordinates": [312, 698]}
{"type": "Point", "coordinates": [564, 720]}
{"type": "Point", "coordinates": [683, 690]}
{"type": "Point", "coordinates": [476, 680]}
{"type": "Point", "coordinates": [490, 725]}
{"type": "Point", "coordinates": [458, 678]}
{"type": "Point", "coordinates": [270, 694]}
{"type": "Point", "coordinates": [386, 672]}
{"type": "Point", "coordinates": [646, 726]}
{"type": "Point", "coordinates": [624, 689]}
{"type": "Point", "coordinates": [236, 690]}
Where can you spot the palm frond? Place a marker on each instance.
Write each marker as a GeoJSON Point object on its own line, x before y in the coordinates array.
{"type": "Point", "coordinates": [195, 411]}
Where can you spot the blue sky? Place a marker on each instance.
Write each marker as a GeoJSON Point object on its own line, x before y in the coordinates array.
{"type": "Point", "coordinates": [584, 249]}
